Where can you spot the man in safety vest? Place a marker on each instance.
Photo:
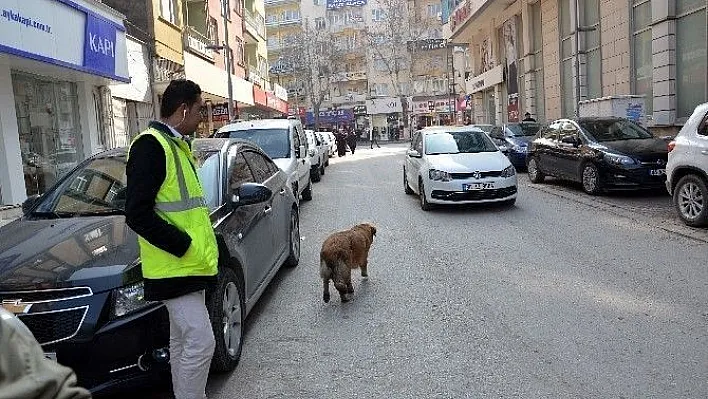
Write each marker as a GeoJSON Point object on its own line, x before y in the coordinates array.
{"type": "Point", "coordinates": [178, 251]}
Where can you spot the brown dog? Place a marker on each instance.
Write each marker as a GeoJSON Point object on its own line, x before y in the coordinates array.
{"type": "Point", "coordinates": [341, 252]}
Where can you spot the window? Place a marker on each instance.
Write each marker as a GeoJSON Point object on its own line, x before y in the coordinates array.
{"type": "Point", "coordinates": [290, 15]}
{"type": "Point", "coordinates": [703, 126]}
{"type": "Point", "coordinates": [378, 15]}
{"type": "Point", "coordinates": [642, 79]}
{"type": "Point", "coordinates": [320, 23]}
{"type": "Point", "coordinates": [690, 56]}
{"type": "Point", "coordinates": [238, 7]}
{"type": "Point", "coordinates": [169, 11]}
{"type": "Point", "coordinates": [567, 59]}
{"type": "Point", "coordinates": [319, 2]}
{"type": "Point", "coordinates": [240, 53]}
{"type": "Point", "coordinates": [259, 166]}
{"type": "Point", "coordinates": [232, 61]}
{"type": "Point", "coordinates": [226, 6]}
{"type": "Point", "coordinates": [214, 31]}
{"type": "Point", "coordinates": [240, 172]}
{"type": "Point", "coordinates": [434, 10]}
{"type": "Point", "coordinates": [591, 19]}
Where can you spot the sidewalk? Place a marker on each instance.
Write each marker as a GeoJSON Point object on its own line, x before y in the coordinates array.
{"type": "Point", "coordinates": [9, 213]}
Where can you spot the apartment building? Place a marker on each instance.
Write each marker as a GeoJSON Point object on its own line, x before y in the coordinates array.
{"type": "Point", "coordinates": [546, 56]}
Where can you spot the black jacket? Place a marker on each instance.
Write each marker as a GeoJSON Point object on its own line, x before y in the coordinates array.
{"type": "Point", "coordinates": [146, 172]}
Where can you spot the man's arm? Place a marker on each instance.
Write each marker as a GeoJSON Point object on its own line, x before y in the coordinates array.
{"type": "Point", "coordinates": [146, 173]}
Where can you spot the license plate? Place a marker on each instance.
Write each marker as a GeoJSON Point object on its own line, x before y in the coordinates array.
{"type": "Point", "coordinates": [657, 172]}
{"type": "Point", "coordinates": [478, 186]}
{"type": "Point", "coordinates": [51, 355]}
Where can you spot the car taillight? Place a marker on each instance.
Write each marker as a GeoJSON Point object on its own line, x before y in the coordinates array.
{"type": "Point", "coordinates": [672, 145]}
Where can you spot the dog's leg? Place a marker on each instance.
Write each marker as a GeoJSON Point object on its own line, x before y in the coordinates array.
{"type": "Point", "coordinates": [350, 287]}
{"type": "Point", "coordinates": [325, 287]}
{"type": "Point", "coordinates": [364, 268]}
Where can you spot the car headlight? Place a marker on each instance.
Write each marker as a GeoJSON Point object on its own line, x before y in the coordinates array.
{"type": "Point", "coordinates": [509, 171]}
{"type": "Point", "coordinates": [128, 299]}
{"type": "Point", "coordinates": [439, 175]}
{"type": "Point", "coordinates": [619, 160]}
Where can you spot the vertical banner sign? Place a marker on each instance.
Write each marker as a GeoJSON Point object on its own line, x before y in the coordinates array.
{"type": "Point", "coordinates": [512, 81]}
{"type": "Point", "coordinates": [100, 45]}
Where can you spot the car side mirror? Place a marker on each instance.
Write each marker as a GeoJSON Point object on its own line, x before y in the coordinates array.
{"type": "Point", "coordinates": [300, 151]}
{"type": "Point", "coordinates": [414, 154]}
{"type": "Point", "coordinates": [250, 194]}
{"type": "Point", "coordinates": [29, 203]}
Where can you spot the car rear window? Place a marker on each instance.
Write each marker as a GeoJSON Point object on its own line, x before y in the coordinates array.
{"type": "Point", "coordinates": [274, 142]}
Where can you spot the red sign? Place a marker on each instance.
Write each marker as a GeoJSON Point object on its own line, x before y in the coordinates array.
{"type": "Point", "coordinates": [460, 15]}
{"type": "Point", "coordinates": [513, 109]}
{"type": "Point", "coordinates": [260, 96]}
{"type": "Point", "coordinates": [282, 106]}
{"type": "Point", "coordinates": [272, 100]}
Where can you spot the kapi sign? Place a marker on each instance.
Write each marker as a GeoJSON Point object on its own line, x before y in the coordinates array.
{"type": "Point", "coordinates": [65, 34]}
{"type": "Point", "coordinates": [337, 4]}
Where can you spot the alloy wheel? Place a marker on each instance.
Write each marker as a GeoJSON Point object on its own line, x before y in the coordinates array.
{"type": "Point", "coordinates": [591, 183]}
{"type": "Point", "coordinates": [295, 235]}
{"type": "Point", "coordinates": [691, 200]}
{"type": "Point", "coordinates": [232, 318]}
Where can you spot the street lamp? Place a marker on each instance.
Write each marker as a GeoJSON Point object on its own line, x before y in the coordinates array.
{"type": "Point", "coordinates": [227, 54]}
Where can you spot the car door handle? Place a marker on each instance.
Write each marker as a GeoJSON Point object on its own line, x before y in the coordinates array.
{"type": "Point", "coordinates": [704, 152]}
{"type": "Point", "coordinates": [282, 191]}
{"type": "Point", "coordinates": [267, 210]}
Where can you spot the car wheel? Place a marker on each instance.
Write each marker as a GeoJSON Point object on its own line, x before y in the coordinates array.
{"type": "Point", "coordinates": [424, 204]}
{"type": "Point", "coordinates": [535, 174]}
{"type": "Point", "coordinates": [591, 179]}
{"type": "Point", "coordinates": [227, 311]}
{"type": "Point", "coordinates": [406, 186]}
{"type": "Point", "coordinates": [315, 174]}
{"type": "Point", "coordinates": [307, 192]}
{"type": "Point", "coordinates": [294, 257]}
{"type": "Point", "coordinates": [691, 200]}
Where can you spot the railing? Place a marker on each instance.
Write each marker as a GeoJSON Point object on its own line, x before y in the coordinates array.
{"type": "Point", "coordinates": [197, 42]}
{"type": "Point", "coordinates": [347, 76]}
{"type": "Point", "coordinates": [280, 21]}
{"type": "Point", "coordinates": [256, 22]}
{"type": "Point", "coordinates": [274, 2]}
{"type": "Point", "coordinates": [254, 76]}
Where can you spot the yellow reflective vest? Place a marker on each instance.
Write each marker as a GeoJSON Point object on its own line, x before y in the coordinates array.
{"type": "Point", "coordinates": [180, 202]}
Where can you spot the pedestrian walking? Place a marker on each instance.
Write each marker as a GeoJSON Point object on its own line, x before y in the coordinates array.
{"type": "Point", "coordinates": [372, 137]}
{"type": "Point", "coordinates": [351, 140]}
{"type": "Point", "coordinates": [178, 251]}
{"type": "Point", "coordinates": [528, 118]}
{"type": "Point", "coordinates": [341, 142]}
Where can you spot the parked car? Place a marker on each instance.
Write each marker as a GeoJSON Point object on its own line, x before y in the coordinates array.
{"type": "Point", "coordinates": [315, 156]}
{"type": "Point", "coordinates": [485, 127]}
{"type": "Point", "coordinates": [687, 169]}
{"type": "Point", "coordinates": [332, 143]}
{"type": "Point", "coordinates": [70, 270]}
{"type": "Point", "coordinates": [601, 153]}
{"type": "Point", "coordinates": [513, 140]}
{"type": "Point", "coordinates": [457, 165]}
{"type": "Point", "coordinates": [285, 143]}
{"type": "Point", "coordinates": [324, 147]}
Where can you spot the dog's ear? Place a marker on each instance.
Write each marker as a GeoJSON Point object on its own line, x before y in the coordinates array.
{"type": "Point", "coordinates": [373, 230]}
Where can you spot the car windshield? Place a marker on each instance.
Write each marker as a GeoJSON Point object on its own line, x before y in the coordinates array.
{"type": "Point", "coordinates": [485, 128]}
{"type": "Point", "coordinates": [614, 129]}
{"type": "Point", "coordinates": [458, 142]}
{"type": "Point", "coordinates": [523, 129]}
{"type": "Point", "coordinates": [98, 187]}
{"type": "Point", "coordinates": [274, 142]}
{"type": "Point", "coordinates": [208, 168]}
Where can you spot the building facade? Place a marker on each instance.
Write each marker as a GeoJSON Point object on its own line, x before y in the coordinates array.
{"type": "Point", "coordinates": [57, 59]}
{"type": "Point", "coordinates": [545, 57]}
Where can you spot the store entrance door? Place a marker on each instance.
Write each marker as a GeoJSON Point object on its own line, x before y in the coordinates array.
{"type": "Point", "coordinates": [49, 128]}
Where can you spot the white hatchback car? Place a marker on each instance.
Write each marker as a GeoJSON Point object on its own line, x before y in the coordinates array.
{"type": "Point", "coordinates": [457, 165]}
{"type": "Point", "coordinates": [687, 169]}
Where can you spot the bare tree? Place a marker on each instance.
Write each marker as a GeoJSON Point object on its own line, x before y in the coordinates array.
{"type": "Point", "coordinates": [310, 56]}
{"type": "Point", "coordinates": [393, 39]}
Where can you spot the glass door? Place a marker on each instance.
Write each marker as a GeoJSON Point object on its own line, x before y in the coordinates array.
{"type": "Point", "coordinates": [49, 129]}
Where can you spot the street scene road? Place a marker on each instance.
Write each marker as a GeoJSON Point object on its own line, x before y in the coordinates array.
{"type": "Point", "coordinates": [562, 295]}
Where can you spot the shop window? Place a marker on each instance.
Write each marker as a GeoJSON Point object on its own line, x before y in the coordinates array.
{"type": "Point", "coordinates": [642, 79]}
{"type": "Point", "coordinates": [690, 56]}
{"type": "Point", "coordinates": [49, 129]}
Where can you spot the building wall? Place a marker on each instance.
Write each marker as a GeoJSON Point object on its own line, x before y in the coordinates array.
{"type": "Point", "coordinates": [614, 38]}
{"type": "Point", "coordinates": [168, 36]}
{"type": "Point", "coordinates": [551, 60]}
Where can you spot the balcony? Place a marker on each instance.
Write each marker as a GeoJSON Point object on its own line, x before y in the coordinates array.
{"type": "Point", "coordinates": [197, 43]}
{"type": "Point", "coordinates": [347, 76]}
{"type": "Point", "coordinates": [284, 21]}
{"type": "Point", "coordinates": [255, 24]}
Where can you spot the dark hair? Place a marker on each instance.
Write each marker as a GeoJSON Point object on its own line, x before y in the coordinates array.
{"type": "Point", "coordinates": [180, 91]}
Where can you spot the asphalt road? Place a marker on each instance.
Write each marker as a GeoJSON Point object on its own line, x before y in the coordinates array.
{"type": "Point", "coordinates": [561, 296]}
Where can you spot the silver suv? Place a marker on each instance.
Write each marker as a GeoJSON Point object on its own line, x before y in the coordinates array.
{"type": "Point", "coordinates": [284, 141]}
{"type": "Point", "coordinates": [687, 169]}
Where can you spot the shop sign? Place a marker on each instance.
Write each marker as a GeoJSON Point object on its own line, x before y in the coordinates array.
{"type": "Point", "coordinates": [360, 110]}
{"type": "Point", "coordinates": [331, 116]}
{"type": "Point", "coordinates": [463, 13]}
{"type": "Point", "coordinates": [337, 4]}
{"type": "Point", "coordinates": [259, 96]}
{"type": "Point", "coordinates": [385, 105]}
{"type": "Point", "coordinates": [486, 80]}
{"type": "Point", "coordinates": [66, 34]}
{"type": "Point", "coordinates": [280, 92]}
{"type": "Point", "coordinates": [427, 45]}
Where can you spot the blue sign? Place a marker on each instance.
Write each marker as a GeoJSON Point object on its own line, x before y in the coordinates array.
{"type": "Point", "coordinates": [100, 45]}
{"type": "Point", "coordinates": [336, 4]}
{"type": "Point", "coordinates": [331, 116]}
{"type": "Point", "coordinates": [634, 112]}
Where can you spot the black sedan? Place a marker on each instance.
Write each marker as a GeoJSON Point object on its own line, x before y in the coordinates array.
{"type": "Point", "coordinates": [601, 153]}
{"type": "Point", "coordinates": [69, 268]}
